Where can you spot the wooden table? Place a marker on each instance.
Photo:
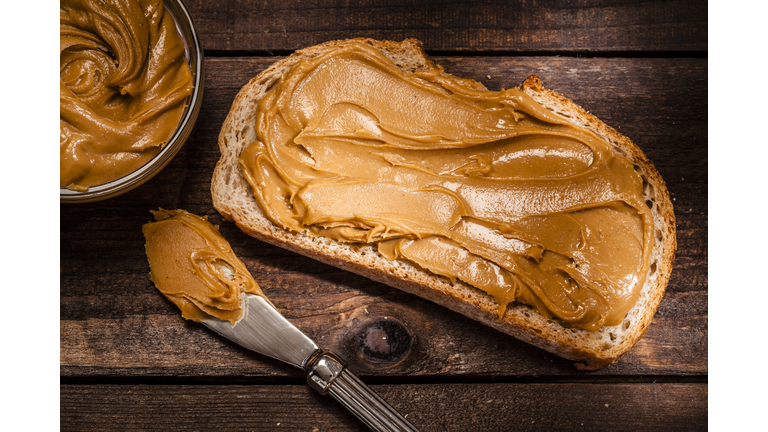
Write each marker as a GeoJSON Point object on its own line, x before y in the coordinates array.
{"type": "Point", "coordinates": [129, 361]}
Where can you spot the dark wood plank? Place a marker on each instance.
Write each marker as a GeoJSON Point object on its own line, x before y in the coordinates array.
{"type": "Point", "coordinates": [436, 343]}
{"type": "Point", "coordinates": [435, 407]}
{"type": "Point", "coordinates": [478, 26]}
{"type": "Point", "coordinates": [115, 324]}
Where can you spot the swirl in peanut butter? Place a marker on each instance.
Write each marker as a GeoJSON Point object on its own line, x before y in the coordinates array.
{"type": "Point", "coordinates": [489, 188]}
{"type": "Point", "coordinates": [195, 267]}
{"type": "Point", "coordinates": [123, 83]}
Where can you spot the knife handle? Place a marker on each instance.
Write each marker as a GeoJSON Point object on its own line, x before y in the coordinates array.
{"type": "Point", "coordinates": [326, 373]}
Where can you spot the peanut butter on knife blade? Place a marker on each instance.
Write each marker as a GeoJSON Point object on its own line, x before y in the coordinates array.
{"type": "Point", "coordinates": [489, 188]}
{"type": "Point", "coordinates": [195, 267]}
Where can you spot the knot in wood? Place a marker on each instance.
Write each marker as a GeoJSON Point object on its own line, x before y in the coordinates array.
{"type": "Point", "coordinates": [384, 340]}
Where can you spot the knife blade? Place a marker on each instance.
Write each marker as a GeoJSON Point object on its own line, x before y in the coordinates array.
{"type": "Point", "coordinates": [265, 331]}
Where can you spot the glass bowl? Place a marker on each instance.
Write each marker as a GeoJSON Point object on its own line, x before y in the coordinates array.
{"type": "Point", "coordinates": [194, 55]}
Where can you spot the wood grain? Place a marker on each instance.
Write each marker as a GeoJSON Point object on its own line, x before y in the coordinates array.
{"type": "Point", "coordinates": [114, 323]}
{"type": "Point", "coordinates": [469, 26]}
{"type": "Point", "coordinates": [436, 407]}
{"type": "Point", "coordinates": [128, 361]}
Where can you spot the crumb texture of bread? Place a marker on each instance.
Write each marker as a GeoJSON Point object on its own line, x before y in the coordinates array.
{"type": "Point", "coordinates": [234, 199]}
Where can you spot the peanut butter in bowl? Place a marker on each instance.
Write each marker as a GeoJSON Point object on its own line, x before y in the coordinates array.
{"type": "Point", "coordinates": [125, 89]}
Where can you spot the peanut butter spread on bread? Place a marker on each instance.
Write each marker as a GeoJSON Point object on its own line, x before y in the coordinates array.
{"type": "Point", "coordinates": [123, 83]}
{"type": "Point", "coordinates": [195, 267]}
{"type": "Point", "coordinates": [486, 187]}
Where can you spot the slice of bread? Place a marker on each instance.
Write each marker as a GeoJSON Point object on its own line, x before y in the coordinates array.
{"type": "Point", "coordinates": [233, 198]}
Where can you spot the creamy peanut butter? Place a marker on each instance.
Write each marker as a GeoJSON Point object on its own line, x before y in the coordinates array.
{"type": "Point", "coordinates": [195, 267]}
{"type": "Point", "coordinates": [123, 83]}
{"type": "Point", "coordinates": [489, 188]}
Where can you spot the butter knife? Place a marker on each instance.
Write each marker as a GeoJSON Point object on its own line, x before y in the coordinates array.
{"type": "Point", "coordinates": [265, 331]}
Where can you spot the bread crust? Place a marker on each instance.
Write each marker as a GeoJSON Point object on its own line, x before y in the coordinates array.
{"type": "Point", "coordinates": [233, 198]}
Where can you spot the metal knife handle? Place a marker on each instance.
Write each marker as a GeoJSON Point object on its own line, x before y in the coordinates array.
{"type": "Point", "coordinates": [326, 373]}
